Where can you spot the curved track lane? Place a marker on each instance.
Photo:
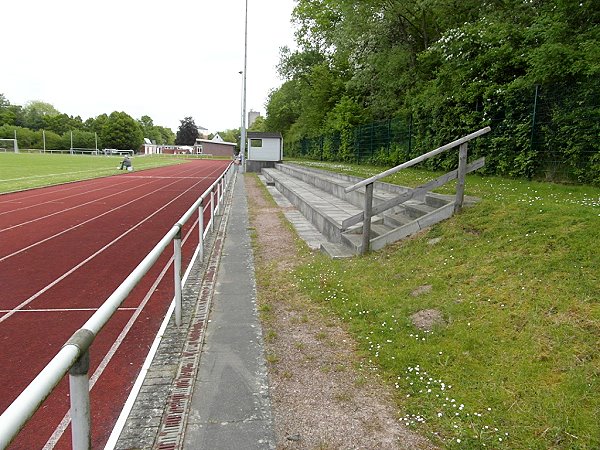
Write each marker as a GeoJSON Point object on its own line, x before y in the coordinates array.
{"type": "Point", "coordinates": [63, 251]}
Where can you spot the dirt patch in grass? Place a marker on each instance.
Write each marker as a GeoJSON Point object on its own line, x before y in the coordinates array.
{"type": "Point", "coordinates": [320, 399]}
{"type": "Point", "coordinates": [427, 319]}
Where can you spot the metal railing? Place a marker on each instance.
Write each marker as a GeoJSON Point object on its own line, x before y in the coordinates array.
{"type": "Point", "coordinates": [73, 358]}
{"type": "Point", "coordinates": [460, 173]}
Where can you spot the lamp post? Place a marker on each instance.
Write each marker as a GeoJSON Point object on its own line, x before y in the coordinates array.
{"type": "Point", "coordinates": [243, 130]}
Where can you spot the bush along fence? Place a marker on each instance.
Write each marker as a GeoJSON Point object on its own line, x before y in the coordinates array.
{"type": "Point", "coordinates": [550, 133]}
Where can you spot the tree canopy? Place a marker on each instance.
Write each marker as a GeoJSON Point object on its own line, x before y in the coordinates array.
{"type": "Point", "coordinates": [448, 66]}
{"type": "Point", "coordinates": [29, 121]}
{"type": "Point", "coordinates": [122, 132]}
{"type": "Point", "coordinates": [187, 132]}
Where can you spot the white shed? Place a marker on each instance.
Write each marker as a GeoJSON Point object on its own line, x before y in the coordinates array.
{"type": "Point", "coordinates": [265, 146]}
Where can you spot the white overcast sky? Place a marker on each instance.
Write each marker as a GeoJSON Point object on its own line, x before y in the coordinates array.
{"type": "Point", "coordinates": [165, 59]}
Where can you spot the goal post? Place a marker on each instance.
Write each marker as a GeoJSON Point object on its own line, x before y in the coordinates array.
{"type": "Point", "coordinates": [6, 143]}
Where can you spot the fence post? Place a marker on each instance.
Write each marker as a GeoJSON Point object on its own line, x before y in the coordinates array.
{"type": "Point", "coordinates": [79, 389]}
{"type": "Point", "coordinates": [460, 181]}
{"type": "Point", "coordinates": [371, 137]}
{"type": "Point", "coordinates": [533, 116]}
{"type": "Point", "coordinates": [410, 126]}
{"type": "Point", "coordinates": [389, 136]}
{"type": "Point", "coordinates": [366, 241]}
{"type": "Point", "coordinates": [177, 276]}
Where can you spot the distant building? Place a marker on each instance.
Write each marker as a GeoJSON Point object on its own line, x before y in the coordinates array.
{"type": "Point", "coordinates": [252, 116]}
{"type": "Point", "coordinates": [217, 138]}
{"type": "Point", "coordinates": [160, 149]}
{"type": "Point", "coordinates": [215, 146]}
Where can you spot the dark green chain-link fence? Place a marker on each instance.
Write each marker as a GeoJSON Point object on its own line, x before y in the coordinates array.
{"type": "Point", "coordinates": [550, 133]}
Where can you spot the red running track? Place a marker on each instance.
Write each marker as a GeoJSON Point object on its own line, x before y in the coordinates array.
{"type": "Point", "coordinates": [63, 251]}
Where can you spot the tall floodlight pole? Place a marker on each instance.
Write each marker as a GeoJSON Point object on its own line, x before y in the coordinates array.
{"type": "Point", "coordinates": [243, 131]}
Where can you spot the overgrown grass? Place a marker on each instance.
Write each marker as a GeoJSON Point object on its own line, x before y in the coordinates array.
{"type": "Point", "coordinates": [517, 280]}
{"type": "Point", "coordinates": [20, 171]}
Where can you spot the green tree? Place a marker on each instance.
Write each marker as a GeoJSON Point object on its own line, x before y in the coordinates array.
{"type": "Point", "coordinates": [283, 107]}
{"type": "Point", "coordinates": [448, 67]}
{"type": "Point", "coordinates": [34, 113]}
{"type": "Point", "coordinates": [60, 123]}
{"type": "Point", "coordinates": [8, 112]}
{"type": "Point", "coordinates": [151, 131]}
{"type": "Point", "coordinates": [167, 135]}
{"type": "Point", "coordinates": [187, 133]}
{"type": "Point", "coordinates": [82, 139]}
{"type": "Point", "coordinates": [122, 132]}
{"type": "Point", "coordinates": [258, 125]}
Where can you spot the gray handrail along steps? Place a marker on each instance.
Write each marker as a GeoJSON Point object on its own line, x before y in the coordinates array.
{"type": "Point", "coordinates": [341, 207]}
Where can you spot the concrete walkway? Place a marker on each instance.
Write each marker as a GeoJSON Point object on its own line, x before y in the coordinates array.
{"type": "Point", "coordinates": [230, 406]}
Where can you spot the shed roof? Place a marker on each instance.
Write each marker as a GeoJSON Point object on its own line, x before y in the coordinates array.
{"type": "Point", "coordinates": [209, 141]}
{"type": "Point", "coordinates": [260, 134]}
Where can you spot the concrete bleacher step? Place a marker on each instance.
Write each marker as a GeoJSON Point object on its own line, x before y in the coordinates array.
{"type": "Point", "coordinates": [334, 184]}
{"type": "Point", "coordinates": [395, 220]}
{"type": "Point", "coordinates": [414, 209]}
{"type": "Point", "coordinates": [320, 197]}
{"type": "Point", "coordinates": [324, 210]}
{"type": "Point", "coordinates": [337, 251]}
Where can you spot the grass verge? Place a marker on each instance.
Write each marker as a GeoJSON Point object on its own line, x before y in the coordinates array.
{"type": "Point", "coordinates": [19, 171]}
{"type": "Point", "coordinates": [516, 363]}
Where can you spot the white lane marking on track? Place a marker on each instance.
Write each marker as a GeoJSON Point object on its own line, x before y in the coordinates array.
{"type": "Point", "coordinates": [137, 386]}
{"type": "Point", "coordinates": [10, 255]}
{"type": "Point", "coordinates": [31, 177]}
{"type": "Point", "coordinates": [89, 258]}
{"type": "Point", "coordinates": [64, 423]}
{"type": "Point", "coordinates": [56, 200]}
{"type": "Point", "coordinates": [151, 176]}
{"type": "Point", "coordinates": [73, 207]}
{"type": "Point", "coordinates": [37, 219]}
{"type": "Point", "coordinates": [60, 310]}
{"type": "Point", "coordinates": [52, 189]}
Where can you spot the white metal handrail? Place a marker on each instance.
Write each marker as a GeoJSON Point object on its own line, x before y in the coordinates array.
{"type": "Point", "coordinates": [418, 159]}
{"type": "Point", "coordinates": [73, 357]}
{"type": "Point", "coordinates": [367, 213]}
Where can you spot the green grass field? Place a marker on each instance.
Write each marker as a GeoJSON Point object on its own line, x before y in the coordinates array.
{"type": "Point", "coordinates": [517, 280]}
{"type": "Point", "coordinates": [20, 171]}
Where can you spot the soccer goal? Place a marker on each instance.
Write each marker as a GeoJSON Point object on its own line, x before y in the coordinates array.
{"type": "Point", "coordinates": [9, 145]}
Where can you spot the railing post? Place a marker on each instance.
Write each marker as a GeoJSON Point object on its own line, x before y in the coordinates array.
{"type": "Point", "coordinates": [460, 181]}
{"type": "Point", "coordinates": [79, 387]}
{"type": "Point", "coordinates": [366, 241]}
{"type": "Point", "coordinates": [212, 210]}
{"type": "Point", "coordinates": [221, 189]}
{"type": "Point", "coordinates": [201, 232]}
{"type": "Point", "coordinates": [218, 197]}
{"type": "Point", "coordinates": [177, 276]}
